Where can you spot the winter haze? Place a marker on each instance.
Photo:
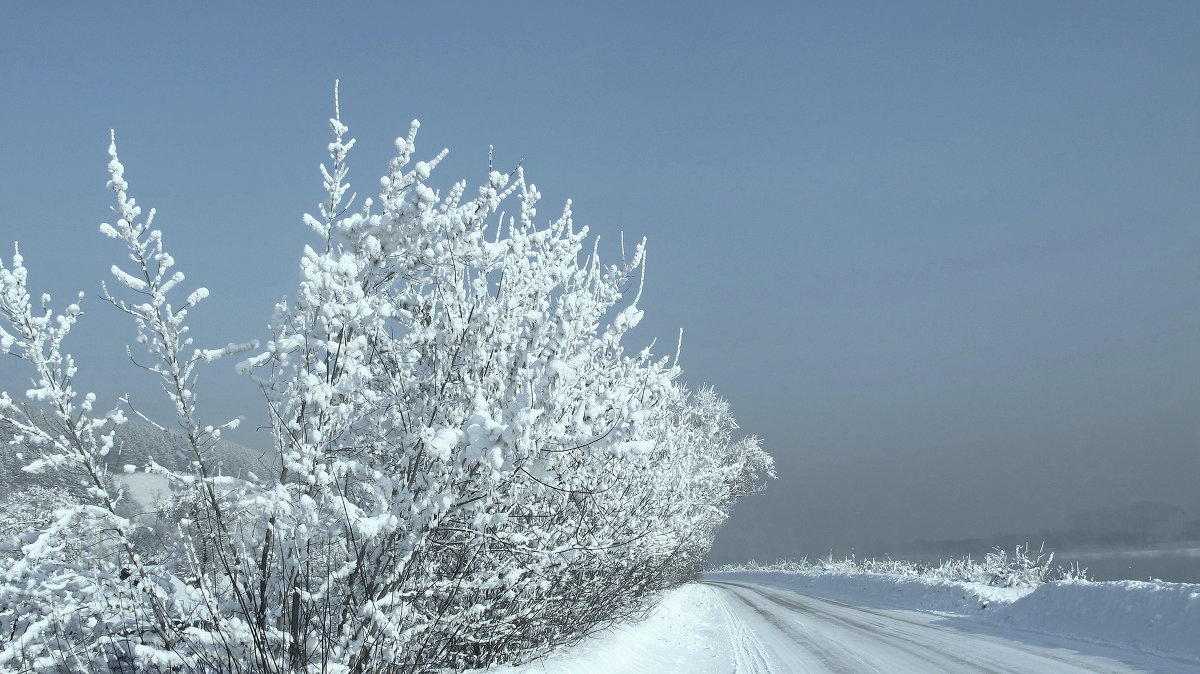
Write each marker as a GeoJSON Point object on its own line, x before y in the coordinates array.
{"type": "Point", "coordinates": [941, 258]}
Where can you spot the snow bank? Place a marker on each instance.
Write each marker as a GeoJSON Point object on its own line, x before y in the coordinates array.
{"type": "Point", "coordinates": [1155, 617]}
{"type": "Point", "coordinates": [684, 634]}
{"type": "Point", "coordinates": [1149, 616]}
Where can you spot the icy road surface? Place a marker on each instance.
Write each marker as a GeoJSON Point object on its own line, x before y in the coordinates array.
{"type": "Point", "coordinates": [775, 630]}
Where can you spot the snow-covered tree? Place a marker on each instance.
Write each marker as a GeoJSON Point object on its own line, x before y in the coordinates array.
{"type": "Point", "coordinates": [472, 467]}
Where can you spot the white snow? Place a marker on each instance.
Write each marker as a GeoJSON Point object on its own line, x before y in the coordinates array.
{"type": "Point", "coordinates": [781, 622]}
{"type": "Point", "coordinates": [685, 634]}
{"type": "Point", "coordinates": [1156, 617]}
{"type": "Point", "coordinates": [146, 489]}
{"type": "Point", "coordinates": [1151, 616]}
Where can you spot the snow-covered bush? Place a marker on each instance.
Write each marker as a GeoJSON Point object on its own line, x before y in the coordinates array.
{"type": "Point", "coordinates": [1023, 568]}
{"type": "Point", "coordinates": [472, 468]}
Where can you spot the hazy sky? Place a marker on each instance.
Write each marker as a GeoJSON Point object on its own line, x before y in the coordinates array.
{"type": "Point", "coordinates": [944, 258]}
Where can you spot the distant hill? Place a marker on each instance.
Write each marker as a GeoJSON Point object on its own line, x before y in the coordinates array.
{"type": "Point", "coordinates": [137, 442]}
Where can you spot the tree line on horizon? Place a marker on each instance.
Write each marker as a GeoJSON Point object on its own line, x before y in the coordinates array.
{"type": "Point", "coordinates": [1135, 524]}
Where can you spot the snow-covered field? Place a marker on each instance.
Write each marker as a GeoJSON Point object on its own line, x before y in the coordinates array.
{"type": "Point", "coordinates": [784, 622]}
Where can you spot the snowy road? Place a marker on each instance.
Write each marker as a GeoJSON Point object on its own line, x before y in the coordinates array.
{"type": "Point", "coordinates": [772, 630]}
{"type": "Point", "coordinates": [735, 626]}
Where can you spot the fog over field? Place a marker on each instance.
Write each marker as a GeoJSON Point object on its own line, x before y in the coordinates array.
{"type": "Point", "coordinates": [941, 258]}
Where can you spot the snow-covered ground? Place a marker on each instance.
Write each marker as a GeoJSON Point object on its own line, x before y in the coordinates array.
{"type": "Point", "coordinates": [788, 622]}
{"type": "Point", "coordinates": [686, 633]}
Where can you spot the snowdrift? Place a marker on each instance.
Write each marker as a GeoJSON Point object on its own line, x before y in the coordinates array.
{"type": "Point", "coordinates": [1148, 616]}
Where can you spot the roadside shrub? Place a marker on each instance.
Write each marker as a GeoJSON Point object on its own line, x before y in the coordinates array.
{"type": "Point", "coordinates": [1022, 568]}
{"type": "Point", "coordinates": [471, 467]}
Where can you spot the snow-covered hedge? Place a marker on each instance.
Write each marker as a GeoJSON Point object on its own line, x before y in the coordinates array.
{"type": "Point", "coordinates": [1023, 568]}
{"type": "Point", "coordinates": [473, 468]}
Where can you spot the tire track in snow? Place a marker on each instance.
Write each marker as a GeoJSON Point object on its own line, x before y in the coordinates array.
{"type": "Point", "coordinates": [827, 655]}
{"type": "Point", "coordinates": [749, 655]}
{"type": "Point", "coordinates": [912, 630]}
{"type": "Point", "coordinates": [828, 659]}
{"type": "Point", "coordinates": [873, 632]}
{"type": "Point", "coordinates": [800, 633]}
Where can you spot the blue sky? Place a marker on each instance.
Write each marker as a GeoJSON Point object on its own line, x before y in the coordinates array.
{"type": "Point", "coordinates": [942, 257]}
